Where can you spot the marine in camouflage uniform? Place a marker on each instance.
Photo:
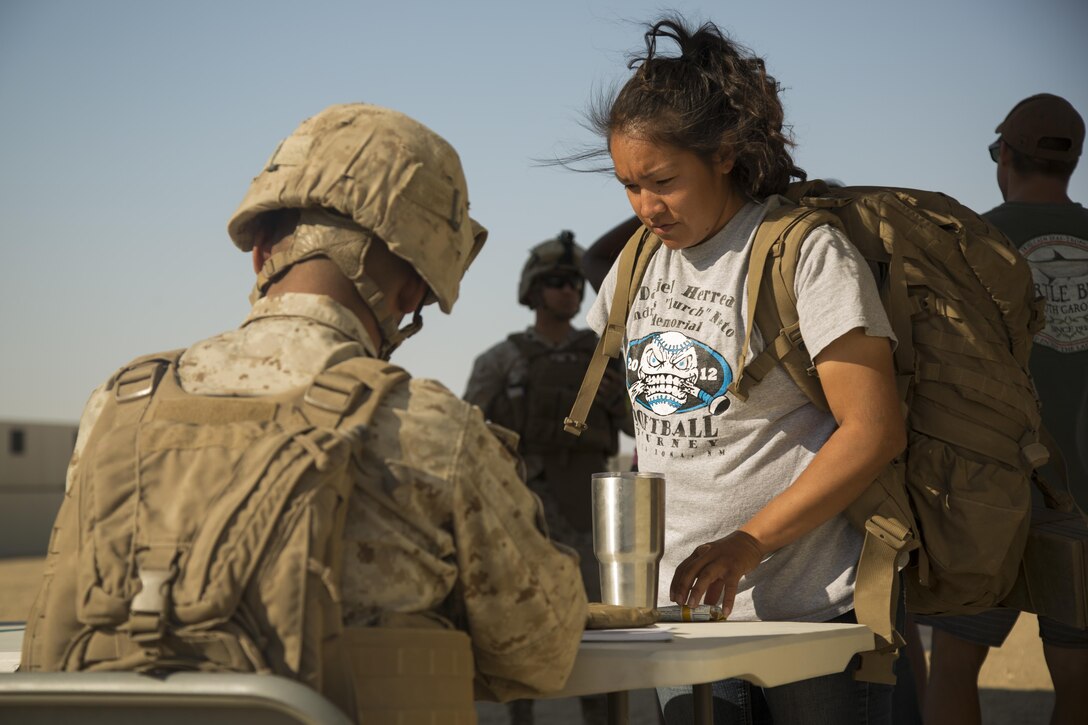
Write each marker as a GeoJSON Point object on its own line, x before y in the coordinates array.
{"type": "Point", "coordinates": [528, 382]}
{"type": "Point", "coordinates": [440, 524]}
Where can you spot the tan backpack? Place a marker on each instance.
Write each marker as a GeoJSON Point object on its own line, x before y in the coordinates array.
{"type": "Point", "coordinates": [205, 532]}
{"type": "Point", "coordinates": [961, 301]}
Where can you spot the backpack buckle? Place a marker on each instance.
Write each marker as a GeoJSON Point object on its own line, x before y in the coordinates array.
{"type": "Point", "coordinates": [890, 531]}
{"type": "Point", "coordinates": [613, 339]}
{"type": "Point", "coordinates": [793, 334]}
{"type": "Point", "coordinates": [138, 382]}
{"type": "Point", "coordinates": [147, 611]}
{"type": "Point", "coordinates": [1034, 452]}
{"type": "Point", "coordinates": [577, 427]}
{"type": "Point", "coordinates": [333, 392]}
{"type": "Point", "coordinates": [154, 589]}
{"type": "Point", "coordinates": [893, 534]}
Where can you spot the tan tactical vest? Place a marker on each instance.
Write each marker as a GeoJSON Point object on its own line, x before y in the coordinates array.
{"type": "Point", "coordinates": [205, 532]}
{"type": "Point", "coordinates": [535, 405]}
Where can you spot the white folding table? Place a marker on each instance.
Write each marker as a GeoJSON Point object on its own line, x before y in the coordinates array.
{"type": "Point", "coordinates": [764, 653]}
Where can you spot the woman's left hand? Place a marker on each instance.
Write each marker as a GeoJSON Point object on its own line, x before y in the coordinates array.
{"type": "Point", "coordinates": [713, 571]}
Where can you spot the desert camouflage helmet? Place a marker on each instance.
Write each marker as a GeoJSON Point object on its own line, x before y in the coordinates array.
{"type": "Point", "coordinates": [555, 255]}
{"type": "Point", "coordinates": [391, 175]}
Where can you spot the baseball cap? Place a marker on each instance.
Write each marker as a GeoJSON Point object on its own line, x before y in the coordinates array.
{"type": "Point", "coordinates": [1044, 126]}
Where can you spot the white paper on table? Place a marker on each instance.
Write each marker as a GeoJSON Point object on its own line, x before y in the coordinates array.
{"type": "Point", "coordinates": [11, 639]}
{"type": "Point", "coordinates": [652, 633]}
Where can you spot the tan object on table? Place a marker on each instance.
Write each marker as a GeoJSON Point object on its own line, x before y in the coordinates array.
{"type": "Point", "coordinates": [613, 616]}
{"type": "Point", "coordinates": [684, 613]}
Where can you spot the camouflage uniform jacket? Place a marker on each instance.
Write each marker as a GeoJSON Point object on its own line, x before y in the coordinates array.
{"type": "Point", "coordinates": [440, 523]}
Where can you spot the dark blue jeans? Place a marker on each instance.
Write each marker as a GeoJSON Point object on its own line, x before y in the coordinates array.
{"type": "Point", "coordinates": [836, 699]}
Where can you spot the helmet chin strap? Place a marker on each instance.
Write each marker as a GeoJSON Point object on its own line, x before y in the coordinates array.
{"type": "Point", "coordinates": [320, 234]}
{"type": "Point", "coordinates": [393, 336]}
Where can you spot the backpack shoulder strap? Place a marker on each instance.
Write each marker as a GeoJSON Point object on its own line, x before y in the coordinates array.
{"type": "Point", "coordinates": [348, 394]}
{"type": "Point", "coordinates": [632, 263]}
{"type": "Point", "coordinates": [772, 303]}
{"type": "Point", "coordinates": [138, 379]}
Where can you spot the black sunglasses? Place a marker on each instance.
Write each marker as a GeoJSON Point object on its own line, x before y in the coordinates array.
{"type": "Point", "coordinates": [559, 281]}
{"type": "Point", "coordinates": [995, 150]}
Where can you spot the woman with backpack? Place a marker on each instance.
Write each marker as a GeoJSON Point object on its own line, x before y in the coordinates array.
{"type": "Point", "coordinates": [755, 486]}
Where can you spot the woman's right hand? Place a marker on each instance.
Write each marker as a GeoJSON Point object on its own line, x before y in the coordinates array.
{"type": "Point", "coordinates": [713, 571]}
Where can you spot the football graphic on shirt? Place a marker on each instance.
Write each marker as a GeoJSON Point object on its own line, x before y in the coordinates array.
{"type": "Point", "coordinates": [669, 372]}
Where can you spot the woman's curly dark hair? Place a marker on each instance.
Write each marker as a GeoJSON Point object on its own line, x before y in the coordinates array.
{"type": "Point", "coordinates": [714, 93]}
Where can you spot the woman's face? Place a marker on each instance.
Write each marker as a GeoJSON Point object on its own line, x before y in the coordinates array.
{"type": "Point", "coordinates": [681, 197]}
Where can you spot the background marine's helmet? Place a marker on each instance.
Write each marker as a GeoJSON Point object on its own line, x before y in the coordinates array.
{"type": "Point", "coordinates": [560, 255]}
{"type": "Point", "coordinates": [392, 176]}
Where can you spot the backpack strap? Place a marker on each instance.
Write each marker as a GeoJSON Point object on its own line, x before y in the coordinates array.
{"type": "Point", "coordinates": [632, 263]}
{"type": "Point", "coordinates": [138, 380]}
{"type": "Point", "coordinates": [772, 303]}
{"type": "Point", "coordinates": [339, 404]}
{"type": "Point", "coordinates": [348, 394]}
{"type": "Point", "coordinates": [876, 594]}
{"type": "Point", "coordinates": [134, 388]}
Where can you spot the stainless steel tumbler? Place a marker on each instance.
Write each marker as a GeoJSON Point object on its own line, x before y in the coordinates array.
{"type": "Point", "coordinates": [629, 535]}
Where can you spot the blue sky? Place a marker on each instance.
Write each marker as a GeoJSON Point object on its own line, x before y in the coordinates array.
{"type": "Point", "coordinates": [130, 130]}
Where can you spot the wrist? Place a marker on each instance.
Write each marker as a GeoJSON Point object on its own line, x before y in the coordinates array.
{"type": "Point", "coordinates": [755, 547]}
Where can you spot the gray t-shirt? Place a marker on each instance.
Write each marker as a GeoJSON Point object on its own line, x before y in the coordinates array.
{"type": "Point", "coordinates": [723, 459]}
